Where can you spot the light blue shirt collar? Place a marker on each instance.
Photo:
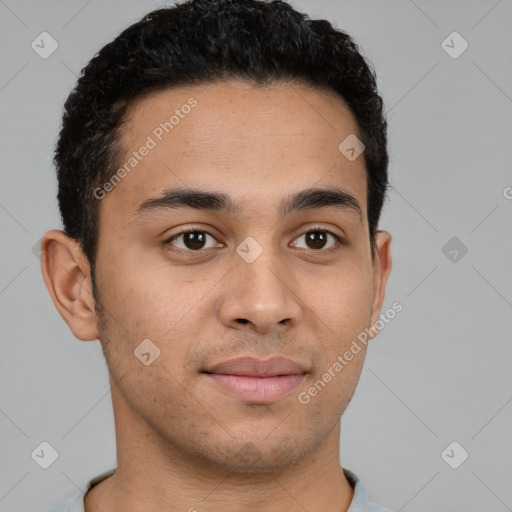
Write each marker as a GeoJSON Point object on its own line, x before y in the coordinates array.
{"type": "Point", "coordinates": [360, 501]}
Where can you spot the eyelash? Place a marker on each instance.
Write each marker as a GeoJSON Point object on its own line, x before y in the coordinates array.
{"type": "Point", "coordinates": [339, 240]}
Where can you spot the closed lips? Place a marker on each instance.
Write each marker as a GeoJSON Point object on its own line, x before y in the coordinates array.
{"type": "Point", "coordinates": [255, 367]}
{"type": "Point", "coordinates": [255, 380]}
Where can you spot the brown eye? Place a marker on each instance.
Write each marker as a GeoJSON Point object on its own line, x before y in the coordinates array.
{"type": "Point", "coordinates": [318, 238]}
{"type": "Point", "coordinates": [192, 241]}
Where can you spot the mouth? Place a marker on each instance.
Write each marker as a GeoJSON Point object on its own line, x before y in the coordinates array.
{"type": "Point", "coordinates": [257, 380]}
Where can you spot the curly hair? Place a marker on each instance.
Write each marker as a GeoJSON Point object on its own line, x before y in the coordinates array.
{"type": "Point", "coordinates": [199, 42]}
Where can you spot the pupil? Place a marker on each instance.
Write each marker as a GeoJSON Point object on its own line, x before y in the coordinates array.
{"type": "Point", "coordinates": [315, 237]}
{"type": "Point", "coordinates": [194, 237]}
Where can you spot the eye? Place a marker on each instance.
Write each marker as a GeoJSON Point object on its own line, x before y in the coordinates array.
{"type": "Point", "coordinates": [317, 239]}
{"type": "Point", "coordinates": [196, 240]}
{"type": "Point", "coordinates": [192, 241]}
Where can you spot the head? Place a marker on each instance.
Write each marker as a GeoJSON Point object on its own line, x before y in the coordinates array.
{"type": "Point", "coordinates": [186, 159]}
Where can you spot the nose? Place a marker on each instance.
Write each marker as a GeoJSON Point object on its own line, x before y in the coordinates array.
{"type": "Point", "coordinates": [259, 296]}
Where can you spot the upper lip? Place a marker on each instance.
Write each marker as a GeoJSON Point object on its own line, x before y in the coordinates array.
{"type": "Point", "coordinates": [257, 367]}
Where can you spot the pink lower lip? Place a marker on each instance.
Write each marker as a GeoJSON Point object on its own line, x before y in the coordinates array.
{"type": "Point", "coordinates": [257, 389]}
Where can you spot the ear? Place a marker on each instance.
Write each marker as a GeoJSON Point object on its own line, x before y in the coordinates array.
{"type": "Point", "coordinates": [66, 273]}
{"type": "Point", "coordinates": [381, 269]}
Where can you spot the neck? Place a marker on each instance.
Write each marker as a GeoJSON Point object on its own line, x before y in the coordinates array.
{"type": "Point", "coordinates": [154, 476]}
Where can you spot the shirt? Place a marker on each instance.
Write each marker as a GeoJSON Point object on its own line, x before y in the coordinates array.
{"type": "Point", "coordinates": [359, 503]}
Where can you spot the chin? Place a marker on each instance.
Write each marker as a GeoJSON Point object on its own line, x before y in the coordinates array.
{"type": "Point", "coordinates": [260, 456]}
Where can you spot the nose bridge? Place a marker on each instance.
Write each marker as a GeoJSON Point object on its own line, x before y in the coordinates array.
{"type": "Point", "coordinates": [259, 290]}
{"type": "Point", "coordinates": [261, 272]}
{"type": "Point", "coordinates": [264, 275]}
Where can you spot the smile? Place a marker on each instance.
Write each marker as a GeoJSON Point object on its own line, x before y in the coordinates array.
{"type": "Point", "coordinates": [257, 380]}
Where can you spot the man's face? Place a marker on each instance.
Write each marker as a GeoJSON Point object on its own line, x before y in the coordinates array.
{"type": "Point", "coordinates": [255, 283]}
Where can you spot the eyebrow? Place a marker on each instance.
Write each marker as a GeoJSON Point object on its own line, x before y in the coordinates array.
{"type": "Point", "coordinates": [310, 198]}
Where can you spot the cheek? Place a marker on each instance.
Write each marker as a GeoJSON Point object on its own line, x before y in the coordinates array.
{"type": "Point", "coordinates": [144, 290]}
{"type": "Point", "coordinates": [342, 299]}
{"type": "Point", "coordinates": [341, 309]}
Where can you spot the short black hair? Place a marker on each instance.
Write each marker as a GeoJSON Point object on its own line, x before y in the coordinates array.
{"type": "Point", "coordinates": [199, 42]}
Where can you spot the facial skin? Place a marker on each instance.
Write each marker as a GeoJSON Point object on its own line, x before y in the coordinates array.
{"type": "Point", "coordinates": [183, 442]}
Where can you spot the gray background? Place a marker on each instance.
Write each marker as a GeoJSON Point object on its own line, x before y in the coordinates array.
{"type": "Point", "coordinates": [438, 373]}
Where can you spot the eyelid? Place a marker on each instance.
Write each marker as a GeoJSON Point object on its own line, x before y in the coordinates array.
{"type": "Point", "coordinates": [190, 229]}
{"type": "Point", "coordinates": [339, 239]}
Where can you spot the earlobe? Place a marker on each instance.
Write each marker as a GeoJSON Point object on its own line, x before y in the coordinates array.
{"type": "Point", "coordinates": [66, 275]}
{"type": "Point", "coordinates": [381, 270]}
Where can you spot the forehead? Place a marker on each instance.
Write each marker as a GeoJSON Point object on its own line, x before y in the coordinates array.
{"type": "Point", "coordinates": [220, 109]}
{"type": "Point", "coordinates": [252, 142]}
